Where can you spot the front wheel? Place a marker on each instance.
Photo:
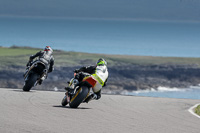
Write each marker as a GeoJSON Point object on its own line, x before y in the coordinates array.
{"type": "Point", "coordinates": [65, 101]}
{"type": "Point", "coordinates": [30, 82]}
{"type": "Point", "coordinates": [78, 98]}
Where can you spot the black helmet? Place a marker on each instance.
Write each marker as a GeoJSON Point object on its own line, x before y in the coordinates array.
{"type": "Point", "coordinates": [101, 62]}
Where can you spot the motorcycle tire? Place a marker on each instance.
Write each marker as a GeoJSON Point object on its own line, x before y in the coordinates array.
{"type": "Point", "coordinates": [30, 82]}
{"type": "Point", "coordinates": [64, 101]}
{"type": "Point", "coordinates": [78, 98]}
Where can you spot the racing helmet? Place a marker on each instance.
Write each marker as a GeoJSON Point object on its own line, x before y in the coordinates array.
{"type": "Point", "coordinates": [48, 48]}
{"type": "Point", "coordinates": [101, 62]}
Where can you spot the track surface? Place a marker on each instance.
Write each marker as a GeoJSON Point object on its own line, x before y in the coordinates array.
{"type": "Point", "coordinates": [41, 112]}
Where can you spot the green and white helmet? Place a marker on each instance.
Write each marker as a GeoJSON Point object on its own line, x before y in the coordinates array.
{"type": "Point", "coordinates": [101, 62]}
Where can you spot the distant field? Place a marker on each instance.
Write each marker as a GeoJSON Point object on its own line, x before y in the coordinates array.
{"type": "Point", "coordinates": [19, 56]}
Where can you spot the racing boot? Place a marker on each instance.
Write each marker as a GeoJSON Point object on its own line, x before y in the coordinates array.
{"type": "Point", "coordinates": [90, 97]}
{"type": "Point", "coordinates": [41, 80]}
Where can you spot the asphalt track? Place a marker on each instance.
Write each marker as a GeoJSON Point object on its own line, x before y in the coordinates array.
{"type": "Point", "coordinates": [41, 112]}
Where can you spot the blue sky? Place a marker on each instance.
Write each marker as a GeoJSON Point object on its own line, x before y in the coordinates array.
{"type": "Point", "coordinates": [165, 10]}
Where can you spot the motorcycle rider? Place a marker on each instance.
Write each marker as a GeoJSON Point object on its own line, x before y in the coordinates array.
{"type": "Point", "coordinates": [99, 72]}
{"type": "Point", "coordinates": [46, 57]}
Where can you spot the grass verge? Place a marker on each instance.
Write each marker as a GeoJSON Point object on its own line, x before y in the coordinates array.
{"type": "Point", "coordinates": [197, 110]}
{"type": "Point", "coordinates": [18, 56]}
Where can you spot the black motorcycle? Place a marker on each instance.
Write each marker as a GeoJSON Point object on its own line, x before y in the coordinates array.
{"type": "Point", "coordinates": [34, 75]}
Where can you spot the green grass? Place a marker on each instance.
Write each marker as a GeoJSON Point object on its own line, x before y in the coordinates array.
{"type": "Point", "coordinates": [20, 55]}
{"type": "Point", "coordinates": [16, 51]}
{"type": "Point", "coordinates": [15, 56]}
{"type": "Point", "coordinates": [197, 110]}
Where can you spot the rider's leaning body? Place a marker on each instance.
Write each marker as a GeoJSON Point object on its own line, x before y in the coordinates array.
{"type": "Point", "coordinates": [45, 57]}
{"type": "Point", "coordinates": [100, 73]}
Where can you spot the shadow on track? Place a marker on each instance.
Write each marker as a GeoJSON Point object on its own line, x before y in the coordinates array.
{"type": "Point", "coordinates": [31, 91]}
{"type": "Point", "coordinates": [59, 106]}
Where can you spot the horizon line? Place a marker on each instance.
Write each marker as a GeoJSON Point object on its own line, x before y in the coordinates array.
{"type": "Point", "coordinates": [103, 19]}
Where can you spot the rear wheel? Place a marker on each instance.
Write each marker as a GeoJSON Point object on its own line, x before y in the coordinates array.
{"type": "Point", "coordinates": [79, 97]}
{"type": "Point", "coordinates": [30, 82]}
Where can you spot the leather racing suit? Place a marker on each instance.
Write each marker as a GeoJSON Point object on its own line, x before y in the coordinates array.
{"type": "Point", "coordinates": [44, 56]}
{"type": "Point", "coordinates": [100, 73]}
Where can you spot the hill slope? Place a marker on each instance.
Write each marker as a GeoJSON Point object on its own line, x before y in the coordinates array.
{"type": "Point", "coordinates": [125, 72]}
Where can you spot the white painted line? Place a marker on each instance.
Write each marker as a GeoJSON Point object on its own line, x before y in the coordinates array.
{"type": "Point", "coordinates": [191, 110]}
